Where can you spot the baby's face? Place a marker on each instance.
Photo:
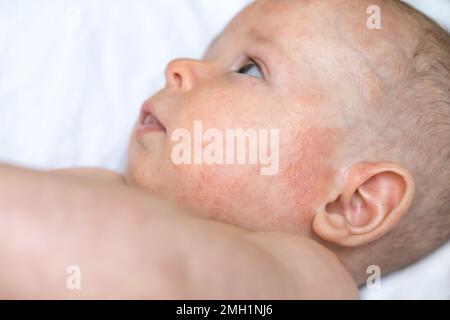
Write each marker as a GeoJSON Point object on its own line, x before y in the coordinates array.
{"type": "Point", "coordinates": [282, 65]}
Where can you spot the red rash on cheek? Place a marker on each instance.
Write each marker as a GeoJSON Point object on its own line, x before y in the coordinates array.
{"type": "Point", "coordinates": [308, 167]}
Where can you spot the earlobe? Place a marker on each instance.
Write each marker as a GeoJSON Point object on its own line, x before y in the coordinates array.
{"type": "Point", "coordinates": [372, 199]}
{"type": "Point", "coordinates": [330, 227]}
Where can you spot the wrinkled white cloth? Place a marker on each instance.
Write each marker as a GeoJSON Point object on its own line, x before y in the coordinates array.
{"type": "Point", "coordinates": [73, 75]}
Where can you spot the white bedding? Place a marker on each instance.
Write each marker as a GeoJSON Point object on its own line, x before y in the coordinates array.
{"type": "Point", "coordinates": [73, 75]}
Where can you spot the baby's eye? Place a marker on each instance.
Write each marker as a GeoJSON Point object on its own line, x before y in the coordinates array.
{"type": "Point", "coordinates": [252, 69]}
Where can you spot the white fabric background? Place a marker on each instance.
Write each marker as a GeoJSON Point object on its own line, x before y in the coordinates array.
{"type": "Point", "coordinates": [69, 93]}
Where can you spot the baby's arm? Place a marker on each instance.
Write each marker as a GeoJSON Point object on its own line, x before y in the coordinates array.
{"type": "Point", "coordinates": [130, 245]}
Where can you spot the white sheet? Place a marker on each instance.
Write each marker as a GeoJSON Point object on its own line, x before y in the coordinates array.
{"type": "Point", "coordinates": [69, 94]}
{"type": "Point", "coordinates": [74, 73]}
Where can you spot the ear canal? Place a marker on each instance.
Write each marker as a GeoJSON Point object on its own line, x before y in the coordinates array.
{"type": "Point", "coordinates": [353, 212]}
{"type": "Point", "coordinates": [335, 206]}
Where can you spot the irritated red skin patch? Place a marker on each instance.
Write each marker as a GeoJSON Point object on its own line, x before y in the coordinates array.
{"type": "Point", "coordinates": [239, 194]}
{"type": "Point", "coordinates": [309, 169]}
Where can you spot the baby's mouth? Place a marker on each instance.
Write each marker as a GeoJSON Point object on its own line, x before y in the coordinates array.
{"type": "Point", "coordinates": [148, 122]}
{"type": "Point", "coordinates": [151, 121]}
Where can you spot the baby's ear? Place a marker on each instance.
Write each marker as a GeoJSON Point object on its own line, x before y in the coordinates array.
{"type": "Point", "coordinates": [372, 199]}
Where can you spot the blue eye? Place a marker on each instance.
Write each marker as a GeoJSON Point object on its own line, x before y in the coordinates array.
{"type": "Point", "coordinates": [252, 69]}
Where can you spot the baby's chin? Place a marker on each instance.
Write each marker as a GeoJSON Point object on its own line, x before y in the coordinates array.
{"type": "Point", "coordinates": [141, 175]}
{"type": "Point", "coordinates": [129, 180]}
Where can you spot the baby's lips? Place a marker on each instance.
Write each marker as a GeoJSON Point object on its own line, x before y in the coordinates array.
{"type": "Point", "coordinates": [148, 116]}
{"type": "Point", "coordinates": [148, 122]}
{"type": "Point", "coordinates": [151, 121]}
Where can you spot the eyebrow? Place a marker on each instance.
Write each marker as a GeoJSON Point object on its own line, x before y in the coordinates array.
{"type": "Point", "coordinates": [256, 36]}
{"type": "Point", "coordinates": [265, 40]}
{"type": "Point", "coordinates": [260, 37]}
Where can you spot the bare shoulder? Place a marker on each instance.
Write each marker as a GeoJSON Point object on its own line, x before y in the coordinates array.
{"type": "Point", "coordinates": [90, 173]}
{"type": "Point", "coordinates": [306, 259]}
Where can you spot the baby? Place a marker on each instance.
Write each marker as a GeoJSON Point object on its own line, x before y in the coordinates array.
{"type": "Point", "coordinates": [363, 122]}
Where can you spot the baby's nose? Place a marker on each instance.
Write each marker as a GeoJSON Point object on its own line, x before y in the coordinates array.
{"type": "Point", "coordinates": [182, 74]}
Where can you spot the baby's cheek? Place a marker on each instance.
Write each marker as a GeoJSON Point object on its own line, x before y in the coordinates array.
{"type": "Point", "coordinates": [216, 191]}
{"type": "Point", "coordinates": [308, 167]}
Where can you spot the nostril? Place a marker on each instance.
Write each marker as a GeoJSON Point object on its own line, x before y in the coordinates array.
{"type": "Point", "coordinates": [180, 74]}
{"type": "Point", "coordinates": [177, 79]}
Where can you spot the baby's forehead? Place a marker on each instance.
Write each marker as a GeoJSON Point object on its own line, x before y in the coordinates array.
{"type": "Point", "coordinates": [322, 33]}
{"type": "Point", "coordinates": [345, 20]}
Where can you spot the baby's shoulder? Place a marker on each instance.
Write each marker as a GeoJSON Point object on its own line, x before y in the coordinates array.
{"type": "Point", "coordinates": [316, 271]}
